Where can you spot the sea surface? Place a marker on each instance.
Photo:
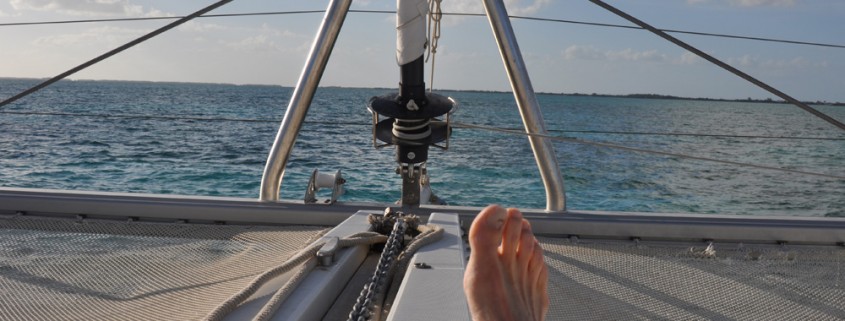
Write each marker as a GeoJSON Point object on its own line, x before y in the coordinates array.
{"type": "Point", "coordinates": [213, 139]}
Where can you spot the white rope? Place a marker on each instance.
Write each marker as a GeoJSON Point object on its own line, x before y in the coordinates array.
{"type": "Point", "coordinates": [306, 259]}
{"type": "Point", "coordinates": [309, 252]}
{"type": "Point", "coordinates": [284, 292]}
{"type": "Point", "coordinates": [647, 151]}
{"type": "Point", "coordinates": [434, 17]}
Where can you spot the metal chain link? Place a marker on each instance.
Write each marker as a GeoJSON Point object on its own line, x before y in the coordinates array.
{"type": "Point", "coordinates": [434, 17]}
{"type": "Point", "coordinates": [363, 308]}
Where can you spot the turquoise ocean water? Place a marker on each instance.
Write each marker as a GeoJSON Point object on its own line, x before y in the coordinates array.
{"type": "Point", "coordinates": [59, 138]}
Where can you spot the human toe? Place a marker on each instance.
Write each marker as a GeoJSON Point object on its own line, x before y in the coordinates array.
{"type": "Point", "coordinates": [486, 229]}
{"type": "Point", "coordinates": [511, 234]}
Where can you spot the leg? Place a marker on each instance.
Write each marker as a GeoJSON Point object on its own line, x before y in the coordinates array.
{"type": "Point", "coordinates": [506, 277]}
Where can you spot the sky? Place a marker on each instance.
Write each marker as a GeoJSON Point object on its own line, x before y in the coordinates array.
{"type": "Point", "coordinates": [560, 57]}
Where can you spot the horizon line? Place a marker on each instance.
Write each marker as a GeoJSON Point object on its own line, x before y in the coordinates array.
{"type": "Point", "coordinates": [577, 94]}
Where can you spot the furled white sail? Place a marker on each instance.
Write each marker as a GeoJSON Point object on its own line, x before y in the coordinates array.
{"type": "Point", "coordinates": [410, 30]}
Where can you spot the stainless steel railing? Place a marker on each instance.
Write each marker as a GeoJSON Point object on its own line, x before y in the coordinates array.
{"type": "Point", "coordinates": [526, 101]}
{"type": "Point", "coordinates": [274, 170]}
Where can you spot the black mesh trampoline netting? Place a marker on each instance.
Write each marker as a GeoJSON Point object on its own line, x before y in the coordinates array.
{"type": "Point", "coordinates": [624, 280]}
{"type": "Point", "coordinates": [64, 269]}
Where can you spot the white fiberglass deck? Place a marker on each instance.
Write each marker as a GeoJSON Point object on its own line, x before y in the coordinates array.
{"type": "Point", "coordinates": [57, 266]}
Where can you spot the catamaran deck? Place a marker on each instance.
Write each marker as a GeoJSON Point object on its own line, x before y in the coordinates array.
{"type": "Point", "coordinates": [110, 256]}
{"type": "Point", "coordinates": [625, 280]}
{"type": "Point", "coordinates": [83, 269]}
{"type": "Point", "coordinates": [63, 262]}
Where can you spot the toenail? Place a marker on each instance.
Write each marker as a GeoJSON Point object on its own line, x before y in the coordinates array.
{"type": "Point", "coordinates": [498, 224]}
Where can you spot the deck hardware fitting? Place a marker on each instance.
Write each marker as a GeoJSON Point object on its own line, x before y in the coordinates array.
{"type": "Point", "coordinates": [320, 180]}
{"type": "Point", "coordinates": [710, 250]}
{"type": "Point", "coordinates": [636, 241]}
{"type": "Point", "coordinates": [326, 254]}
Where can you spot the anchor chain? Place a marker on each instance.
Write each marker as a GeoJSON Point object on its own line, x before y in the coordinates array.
{"type": "Point", "coordinates": [364, 305]}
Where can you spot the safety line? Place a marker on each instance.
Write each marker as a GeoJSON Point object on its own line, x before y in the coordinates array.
{"type": "Point", "coordinates": [503, 130]}
{"type": "Point", "coordinates": [693, 135]}
{"type": "Point", "coordinates": [697, 33]}
{"type": "Point", "coordinates": [719, 63]}
{"type": "Point", "coordinates": [125, 116]}
{"type": "Point", "coordinates": [114, 51]}
{"type": "Point", "coordinates": [222, 15]}
{"type": "Point", "coordinates": [276, 121]}
{"type": "Point", "coordinates": [647, 151]}
{"type": "Point", "coordinates": [597, 24]}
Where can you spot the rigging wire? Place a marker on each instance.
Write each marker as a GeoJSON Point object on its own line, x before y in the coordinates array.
{"type": "Point", "coordinates": [511, 131]}
{"type": "Point", "coordinates": [276, 121]}
{"type": "Point", "coordinates": [721, 64]}
{"type": "Point", "coordinates": [648, 151]}
{"type": "Point", "coordinates": [221, 15]}
{"type": "Point", "coordinates": [587, 23]}
{"type": "Point", "coordinates": [660, 32]}
{"type": "Point", "coordinates": [114, 52]}
{"type": "Point", "coordinates": [128, 116]}
{"type": "Point", "coordinates": [690, 135]}
{"type": "Point", "coordinates": [697, 33]}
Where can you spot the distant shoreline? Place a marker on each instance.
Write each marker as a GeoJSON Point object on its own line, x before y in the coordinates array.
{"type": "Point", "coordinates": [670, 97]}
{"type": "Point", "coordinates": [635, 96]}
{"type": "Point", "coordinates": [667, 97]}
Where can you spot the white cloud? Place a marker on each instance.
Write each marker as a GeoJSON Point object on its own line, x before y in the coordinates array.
{"type": "Point", "coordinates": [103, 35]}
{"type": "Point", "coordinates": [588, 52]}
{"type": "Point", "coordinates": [268, 39]}
{"type": "Point", "coordinates": [633, 55]}
{"type": "Point", "coordinates": [749, 3]}
{"type": "Point", "coordinates": [277, 32]}
{"type": "Point", "coordinates": [259, 43]}
{"type": "Point", "coordinates": [80, 7]}
{"type": "Point", "coordinates": [749, 61]}
{"type": "Point", "coordinates": [578, 52]}
{"type": "Point", "coordinates": [197, 26]}
{"type": "Point", "coordinates": [762, 3]}
{"type": "Point", "coordinates": [688, 58]}
{"type": "Point", "coordinates": [158, 13]}
{"type": "Point", "coordinates": [514, 7]}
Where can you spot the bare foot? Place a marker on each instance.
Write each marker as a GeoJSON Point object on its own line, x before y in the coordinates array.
{"type": "Point", "coordinates": [506, 277]}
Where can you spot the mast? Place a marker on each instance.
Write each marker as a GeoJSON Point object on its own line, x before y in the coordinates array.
{"type": "Point", "coordinates": [411, 123]}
